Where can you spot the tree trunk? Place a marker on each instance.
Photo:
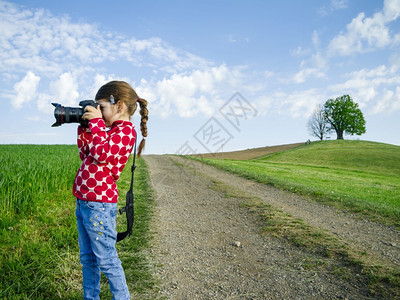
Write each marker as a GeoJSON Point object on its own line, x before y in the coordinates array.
{"type": "Point", "coordinates": [339, 134]}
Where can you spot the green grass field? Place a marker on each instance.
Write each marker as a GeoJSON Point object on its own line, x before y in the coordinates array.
{"type": "Point", "coordinates": [357, 176]}
{"type": "Point", "coordinates": [39, 254]}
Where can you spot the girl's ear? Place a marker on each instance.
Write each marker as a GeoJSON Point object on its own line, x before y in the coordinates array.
{"type": "Point", "coordinates": [120, 106]}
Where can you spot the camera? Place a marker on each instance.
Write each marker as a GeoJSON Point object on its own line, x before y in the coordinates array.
{"type": "Point", "coordinates": [65, 114]}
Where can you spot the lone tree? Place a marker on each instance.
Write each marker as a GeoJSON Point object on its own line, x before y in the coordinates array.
{"type": "Point", "coordinates": [317, 125]}
{"type": "Point", "coordinates": [344, 116]}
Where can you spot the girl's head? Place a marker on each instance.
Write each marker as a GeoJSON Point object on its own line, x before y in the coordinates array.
{"type": "Point", "coordinates": [125, 103]}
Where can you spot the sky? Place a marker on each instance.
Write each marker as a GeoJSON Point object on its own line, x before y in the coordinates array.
{"type": "Point", "coordinates": [219, 75]}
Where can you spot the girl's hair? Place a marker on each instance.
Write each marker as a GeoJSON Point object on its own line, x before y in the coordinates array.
{"type": "Point", "coordinates": [122, 91]}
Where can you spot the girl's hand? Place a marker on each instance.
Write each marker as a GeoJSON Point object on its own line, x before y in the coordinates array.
{"type": "Point", "coordinates": [92, 113]}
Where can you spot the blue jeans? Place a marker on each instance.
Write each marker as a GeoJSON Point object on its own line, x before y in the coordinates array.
{"type": "Point", "coordinates": [97, 237]}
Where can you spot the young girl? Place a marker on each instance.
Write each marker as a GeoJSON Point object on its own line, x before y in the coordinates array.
{"type": "Point", "coordinates": [104, 155]}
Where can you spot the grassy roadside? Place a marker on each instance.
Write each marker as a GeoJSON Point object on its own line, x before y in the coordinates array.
{"type": "Point", "coordinates": [134, 250]}
{"type": "Point", "coordinates": [357, 176]}
{"type": "Point", "coordinates": [326, 253]}
{"type": "Point", "coordinates": [39, 253]}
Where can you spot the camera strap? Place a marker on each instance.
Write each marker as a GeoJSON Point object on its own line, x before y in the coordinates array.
{"type": "Point", "coordinates": [129, 208]}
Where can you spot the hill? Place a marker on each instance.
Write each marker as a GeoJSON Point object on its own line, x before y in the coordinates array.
{"type": "Point", "coordinates": [250, 153]}
{"type": "Point", "coordinates": [358, 176]}
{"type": "Point", "coordinates": [343, 154]}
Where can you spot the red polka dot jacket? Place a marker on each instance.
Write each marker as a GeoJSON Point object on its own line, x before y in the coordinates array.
{"type": "Point", "coordinates": [104, 155]}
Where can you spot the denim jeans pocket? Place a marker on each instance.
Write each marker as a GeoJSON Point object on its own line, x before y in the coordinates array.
{"type": "Point", "coordinates": [113, 211]}
{"type": "Point", "coordinates": [94, 205]}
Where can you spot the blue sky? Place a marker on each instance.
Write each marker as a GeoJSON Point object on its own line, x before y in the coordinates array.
{"type": "Point", "coordinates": [218, 74]}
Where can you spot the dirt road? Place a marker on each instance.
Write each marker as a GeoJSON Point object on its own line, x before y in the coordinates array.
{"type": "Point", "coordinates": [210, 247]}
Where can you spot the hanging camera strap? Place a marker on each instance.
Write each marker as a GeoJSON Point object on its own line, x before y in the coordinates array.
{"type": "Point", "coordinates": [129, 208]}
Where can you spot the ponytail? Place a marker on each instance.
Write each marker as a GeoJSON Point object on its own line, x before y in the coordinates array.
{"type": "Point", "coordinates": [144, 113]}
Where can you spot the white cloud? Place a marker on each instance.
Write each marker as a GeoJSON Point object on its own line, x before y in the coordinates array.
{"type": "Point", "coordinates": [233, 38]}
{"type": "Point", "coordinates": [306, 73]}
{"type": "Point", "coordinates": [315, 40]}
{"type": "Point", "coordinates": [388, 101]}
{"type": "Point", "coordinates": [65, 89]}
{"type": "Point", "coordinates": [376, 90]}
{"type": "Point", "coordinates": [365, 34]}
{"type": "Point", "coordinates": [38, 41]}
{"type": "Point", "coordinates": [332, 6]}
{"type": "Point", "coordinates": [391, 10]}
{"type": "Point", "coordinates": [315, 66]}
{"type": "Point", "coordinates": [295, 104]}
{"type": "Point", "coordinates": [300, 103]}
{"type": "Point", "coordinates": [339, 4]}
{"type": "Point", "coordinates": [25, 90]}
{"type": "Point", "coordinates": [68, 56]}
{"type": "Point", "coordinates": [192, 93]}
{"type": "Point", "coordinates": [300, 51]}
{"type": "Point", "coordinates": [44, 101]}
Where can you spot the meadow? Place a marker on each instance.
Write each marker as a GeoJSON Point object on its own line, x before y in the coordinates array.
{"type": "Point", "coordinates": [39, 255]}
{"type": "Point", "coordinates": [356, 176]}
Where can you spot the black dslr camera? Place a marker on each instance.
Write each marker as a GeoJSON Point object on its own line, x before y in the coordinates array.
{"type": "Point", "coordinates": [72, 114]}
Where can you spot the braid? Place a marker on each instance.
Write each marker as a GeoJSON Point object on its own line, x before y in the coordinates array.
{"type": "Point", "coordinates": [144, 113]}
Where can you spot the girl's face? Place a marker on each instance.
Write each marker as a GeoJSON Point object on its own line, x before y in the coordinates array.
{"type": "Point", "coordinates": [109, 112]}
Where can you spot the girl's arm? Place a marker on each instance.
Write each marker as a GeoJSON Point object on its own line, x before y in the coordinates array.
{"type": "Point", "coordinates": [117, 144]}
{"type": "Point", "coordinates": [84, 135]}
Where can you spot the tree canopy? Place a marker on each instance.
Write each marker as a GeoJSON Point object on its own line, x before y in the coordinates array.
{"type": "Point", "coordinates": [343, 116]}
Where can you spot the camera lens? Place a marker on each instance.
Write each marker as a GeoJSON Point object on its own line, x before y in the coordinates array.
{"type": "Point", "coordinates": [65, 114]}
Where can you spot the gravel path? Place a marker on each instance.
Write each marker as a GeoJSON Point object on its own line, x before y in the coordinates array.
{"type": "Point", "coordinates": [210, 247]}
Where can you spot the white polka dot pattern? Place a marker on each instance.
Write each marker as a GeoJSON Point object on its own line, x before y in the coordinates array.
{"type": "Point", "coordinates": [104, 155]}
